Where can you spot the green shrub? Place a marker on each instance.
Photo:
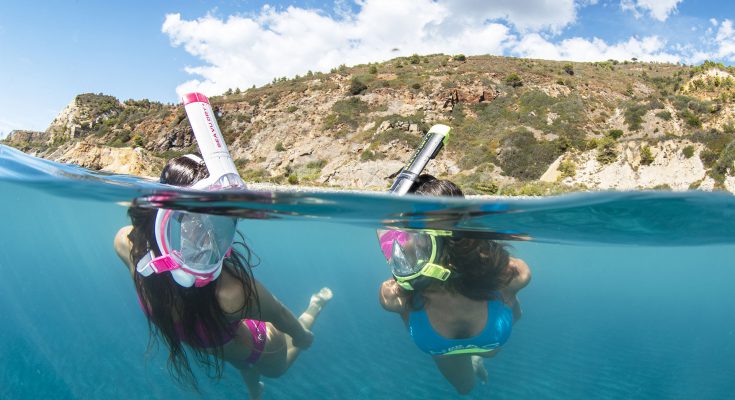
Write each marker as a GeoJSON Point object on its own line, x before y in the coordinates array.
{"type": "Point", "coordinates": [292, 109]}
{"type": "Point", "coordinates": [634, 115]}
{"type": "Point", "coordinates": [646, 155]}
{"type": "Point", "coordinates": [346, 112]}
{"type": "Point", "coordinates": [708, 157]}
{"type": "Point", "coordinates": [459, 57]}
{"type": "Point", "coordinates": [693, 120]}
{"type": "Point", "coordinates": [664, 115]}
{"type": "Point", "coordinates": [688, 151]}
{"type": "Point", "coordinates": [138, 140]}
{"type": "Point", "coordinates": [357, 87]}
{"type": "Point", "coordinates": [614, 134]}
{"type": "Point", "coordinates": [725, 163]}
{"type": "Point", "coordinates": [416, 86]}
{"type": "Point", "coordinates": [567, 168]}
{"type": "Point", "coordinates": [293, 179]}
{"type": "Point", "coordinates": [254, 175]}
{"type": "Point", "coordinates": [523, 157]}
{"type": "Point", "coordinates": [279, 147]}
{"type": "Point", "coordinates": [606, 152]}
{"type": "Point", "coordinates": [373, 69]}
{"type": "Point", "coordinates": [316, 165]}
{"type": "Point", "coordinates": [728, 128]}
{"type": "Point", "coordinates": [569, 69]}
{"type": "Point", "coordinates": [414, 59]}
{"type": "Point", "coordinates": [369, 155]}
{"type": "Point", "coordinates": [513, 80]}
{"type": "Point", "coordinates": [486, 187]}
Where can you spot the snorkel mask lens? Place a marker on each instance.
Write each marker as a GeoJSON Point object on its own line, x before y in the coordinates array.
{"type": "Point", "coordinates": [205, 240]}
{"type": "Point", "coordinates": [413, 255]}
{"type": "Point", "coordinates": [193, 246]}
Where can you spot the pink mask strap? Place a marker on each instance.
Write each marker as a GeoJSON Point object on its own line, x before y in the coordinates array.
{"type": "Point", "coordinates": [202, 282]}
{"type": "Point", "coordinates": [163, 264]}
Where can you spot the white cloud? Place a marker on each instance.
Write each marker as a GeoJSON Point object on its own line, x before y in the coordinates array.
{"type": "Point", "coordinates": [658, 9]}
{"type": "Point", "coordinates": [579, 49]}
{"type": "Point", "coordinates": [524, 15]}
{"type": "Point", "coordinates": [725, 40]}
{"type": "Point", "coordinates": [713, 21]}
{"type": "Point", "coordinates": [711, 46]}
{"type": "Point", "coordinates": [244, 50]}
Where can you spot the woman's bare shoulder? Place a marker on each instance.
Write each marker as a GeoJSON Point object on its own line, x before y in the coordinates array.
{"type": "Point", "coordinates": [123, 246]}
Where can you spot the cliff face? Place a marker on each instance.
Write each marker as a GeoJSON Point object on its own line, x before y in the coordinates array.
{"type": "Point", "coordinates": [519, 126]}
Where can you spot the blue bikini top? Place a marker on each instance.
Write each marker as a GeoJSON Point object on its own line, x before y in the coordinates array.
{"type": "Point", "coordinates": [495, 334]}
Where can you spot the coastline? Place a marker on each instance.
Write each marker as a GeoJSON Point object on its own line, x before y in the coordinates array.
{"type": "Point", "coordinates": [273, 187]}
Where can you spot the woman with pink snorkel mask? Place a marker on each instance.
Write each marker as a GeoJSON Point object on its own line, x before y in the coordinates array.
{"type": "Point", "coordinates": [194, 281]}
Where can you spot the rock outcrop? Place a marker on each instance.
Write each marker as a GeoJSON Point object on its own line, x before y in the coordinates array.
{"type": "Point", "coordinates": [605, 126]}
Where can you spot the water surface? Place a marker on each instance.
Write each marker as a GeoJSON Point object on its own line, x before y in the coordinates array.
{"type": "Point", "coordinates": [630, 298]}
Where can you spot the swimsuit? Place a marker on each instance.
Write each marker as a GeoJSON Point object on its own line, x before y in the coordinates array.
{"type": "Point", "coordinates": [495, 334]}
{"type": "Point", "coordinates": [258, 333]}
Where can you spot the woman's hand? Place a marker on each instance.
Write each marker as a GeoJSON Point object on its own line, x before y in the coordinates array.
{"type": "Point", "coordinates": [523, 276]}
{"type": "Point", "coordinates": [392, 297]}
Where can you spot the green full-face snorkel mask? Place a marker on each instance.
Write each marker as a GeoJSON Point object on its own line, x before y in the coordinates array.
{"type": "Point", "coordinates": [413, 255]}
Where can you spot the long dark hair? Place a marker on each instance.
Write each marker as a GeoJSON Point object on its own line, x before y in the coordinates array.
{"type": "Point", "coordinates": [178, 314]}
{"type": "Point", "coordinates": [479, 267]}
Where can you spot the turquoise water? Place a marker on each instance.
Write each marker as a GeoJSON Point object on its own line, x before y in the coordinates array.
{"type": "Point", "coordinates": [631, 294]}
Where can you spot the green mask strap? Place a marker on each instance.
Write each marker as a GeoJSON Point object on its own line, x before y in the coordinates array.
{"type": "Point", "coordinates": [430, 269]}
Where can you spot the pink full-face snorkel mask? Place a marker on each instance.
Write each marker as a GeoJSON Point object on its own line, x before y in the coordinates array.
{"type": "Point", "coordinates": [192, 245]}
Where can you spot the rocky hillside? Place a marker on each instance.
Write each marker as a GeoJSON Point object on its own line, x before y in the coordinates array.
{"type": "Point", "coordinates": [520, 126]}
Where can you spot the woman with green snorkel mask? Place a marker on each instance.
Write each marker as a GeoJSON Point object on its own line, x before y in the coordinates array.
{"type": "Point", "coordinates": [457, 296]}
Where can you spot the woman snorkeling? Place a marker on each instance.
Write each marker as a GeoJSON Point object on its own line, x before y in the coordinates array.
{"type": "Point", "coordinates": [457, 296]}
{"type": "Point", "coordinates": [202, 294]}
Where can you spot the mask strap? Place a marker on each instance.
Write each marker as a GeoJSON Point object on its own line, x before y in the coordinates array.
{"type": "Point", "coordinates": [436, 271]}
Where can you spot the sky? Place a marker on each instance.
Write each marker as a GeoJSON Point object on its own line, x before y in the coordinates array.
{"type": "Point", "coordinates": [52, 51]}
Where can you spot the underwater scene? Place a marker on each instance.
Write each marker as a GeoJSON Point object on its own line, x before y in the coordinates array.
{"type": "Point", "coordinates": [631, 295]}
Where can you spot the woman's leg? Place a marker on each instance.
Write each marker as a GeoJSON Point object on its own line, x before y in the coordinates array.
{"type": "Point", "coordinates": [280, 352]}
{"type": "Point", "coordinates": [251, 376]}
{"type": "Point", "coordinates": [459, 371]}
{"type": "Point", "coordinates": [237, 352]}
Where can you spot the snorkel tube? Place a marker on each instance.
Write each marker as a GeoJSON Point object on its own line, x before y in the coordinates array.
{"type": "Point", "coordinates": [427, 150]}
{"type": "Point", "coordinates": [211, 144]}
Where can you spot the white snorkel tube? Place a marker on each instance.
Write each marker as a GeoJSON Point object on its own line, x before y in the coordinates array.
{"type": "Point", "coordinates": [193, 246]}
{"type": "Point", "coordinates": [428, 149]}
{"type": "Point", "coordinates": [222, 171]}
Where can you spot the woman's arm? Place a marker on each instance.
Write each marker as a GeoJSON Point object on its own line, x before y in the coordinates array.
{"type": "Point", "coordinates": [519, 282]}
{"type": "Point", "coordinates": [392, 297]}
{"type": "Point", "coordinates": [122, 246]}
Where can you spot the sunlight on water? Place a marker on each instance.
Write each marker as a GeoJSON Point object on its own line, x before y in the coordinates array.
{"type": "Point", "coordinates": [630, 298]}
